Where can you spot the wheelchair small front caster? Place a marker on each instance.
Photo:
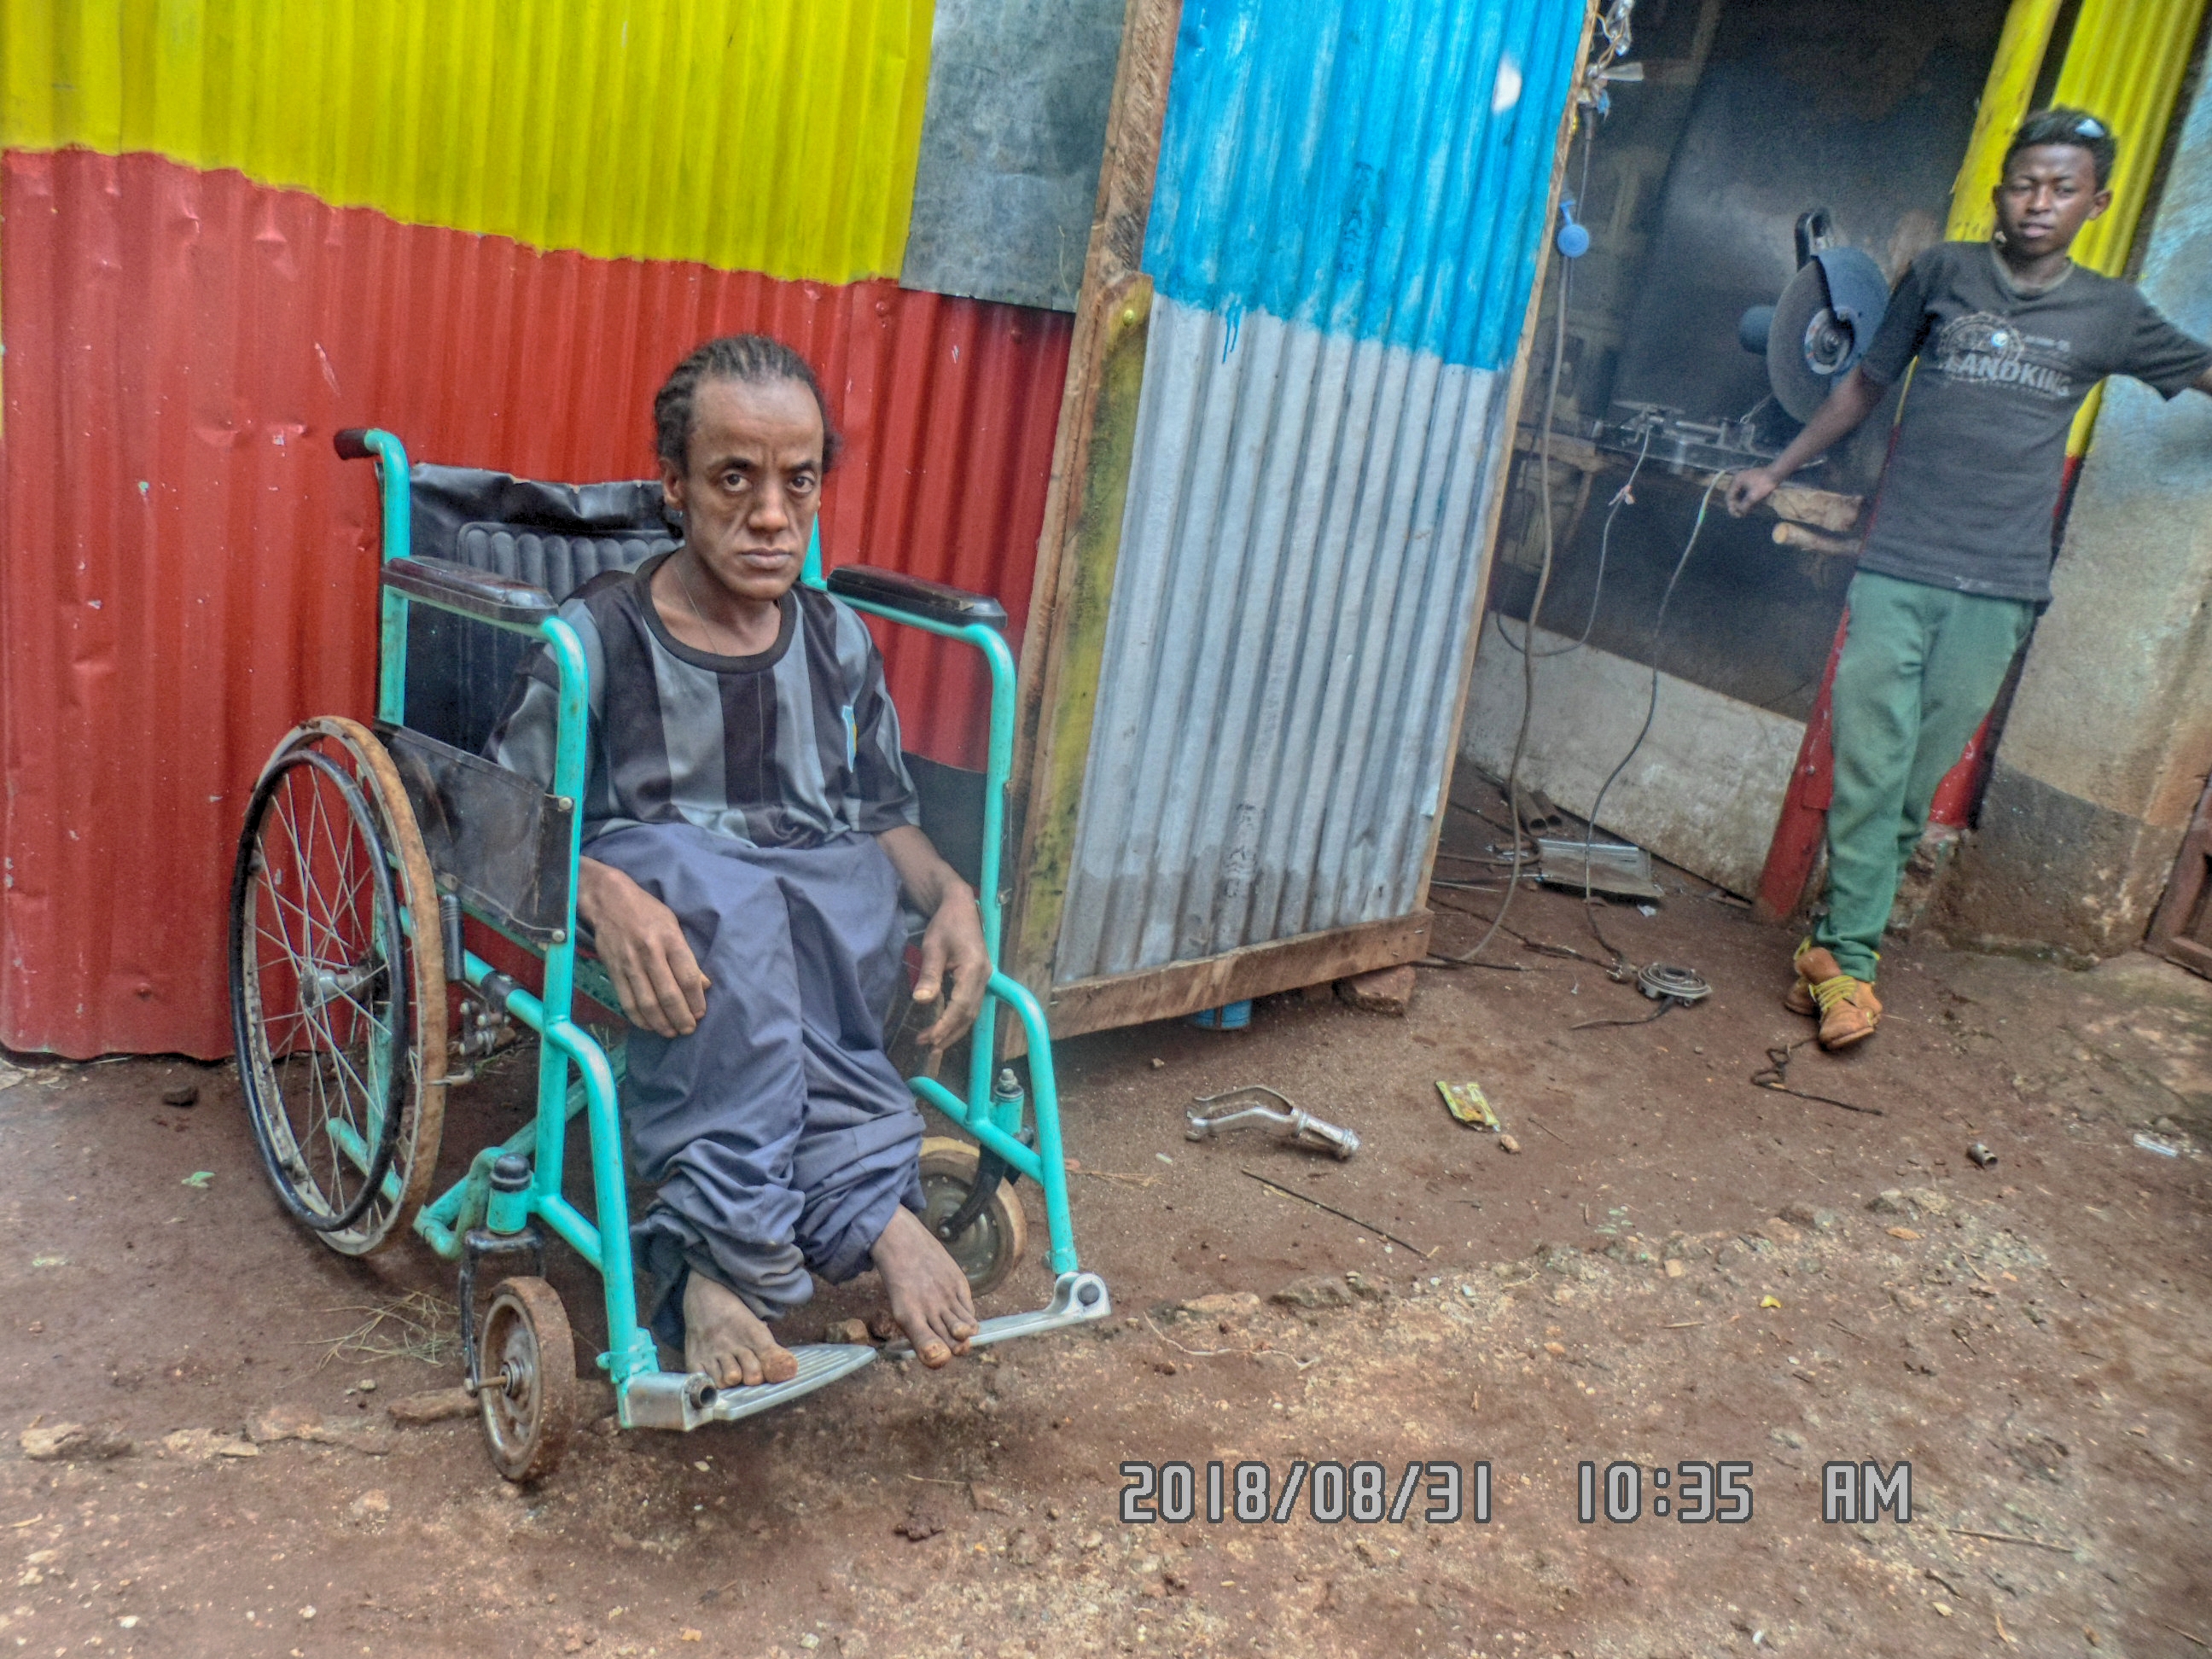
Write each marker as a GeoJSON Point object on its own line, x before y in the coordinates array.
{"type": "Point", "coordinates": [525, 1367]}
{"type": "Point", "coordinates": [993, 1245]}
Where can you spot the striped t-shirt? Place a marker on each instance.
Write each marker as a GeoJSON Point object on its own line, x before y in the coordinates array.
{"type": "Point", "coordinates": [788, 748]}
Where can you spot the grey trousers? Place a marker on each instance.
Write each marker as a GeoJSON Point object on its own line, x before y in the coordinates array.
{"type": "Point", "coordinates": [779, 1135]}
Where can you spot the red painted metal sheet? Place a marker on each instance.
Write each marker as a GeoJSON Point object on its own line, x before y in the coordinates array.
{"type": "Point", "coordinates": [189, 570]}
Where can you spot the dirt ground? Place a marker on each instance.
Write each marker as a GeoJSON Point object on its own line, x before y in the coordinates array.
{"type": "Point", "coordinates": [1674, 1265]}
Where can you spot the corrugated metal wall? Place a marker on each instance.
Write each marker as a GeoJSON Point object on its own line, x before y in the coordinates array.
{"type": "Point", "coordinates": [188, 569]}
{"type": "Point", "coordinates": [1349, 204]}
{"type": "Point", "coordinates": [614, 127]}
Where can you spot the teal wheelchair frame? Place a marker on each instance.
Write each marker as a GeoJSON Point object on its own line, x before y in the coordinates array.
{"type": "Point", "coordinates": [518, 1352]}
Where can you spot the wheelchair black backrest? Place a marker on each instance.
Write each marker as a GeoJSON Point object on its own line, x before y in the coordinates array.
{"type": "Point", "coordinates": [556, 537]}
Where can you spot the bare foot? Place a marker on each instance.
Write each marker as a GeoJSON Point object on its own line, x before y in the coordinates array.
{"type": "Point", "coordinates": [722, 1338]}
{"type": "Point", "coordinates": [929, 1293]}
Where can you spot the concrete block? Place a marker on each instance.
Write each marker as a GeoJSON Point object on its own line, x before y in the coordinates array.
{"type": "Point", "coordinates": [1386, 991]}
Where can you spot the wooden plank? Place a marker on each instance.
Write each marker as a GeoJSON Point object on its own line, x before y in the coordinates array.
{"type": "Point", "coordinates": [1080, 542]}
{"type": "Point", "coordinates": [1255, 970]}
{"type": "Point", "coordinates": [1070, 676]}
{"type": "Point", "coordinates": [1787, 534]}
{"type": "Point", "coordinates": [1826, 509]}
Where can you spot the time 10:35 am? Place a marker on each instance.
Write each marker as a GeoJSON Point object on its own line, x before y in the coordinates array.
{"type": "Point", "coordinates": [1689, 1492]}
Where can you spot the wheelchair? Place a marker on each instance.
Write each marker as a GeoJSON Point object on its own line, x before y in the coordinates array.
{"type": "Point", "coordinates": [356, 1003]}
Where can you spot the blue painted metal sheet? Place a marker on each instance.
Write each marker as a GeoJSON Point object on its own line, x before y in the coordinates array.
{"type": "Point", "coordinates": [1350, 202]}
{"type": "Point", "coordinates": [1374, 170]}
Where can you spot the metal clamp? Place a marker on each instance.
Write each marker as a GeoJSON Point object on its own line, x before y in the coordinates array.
{"type": "Point", "coordinates": [1306, 1129]}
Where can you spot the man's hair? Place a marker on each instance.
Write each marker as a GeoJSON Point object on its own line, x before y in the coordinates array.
{"type": "Point", "coordinates": [749, 359]}
{"type": "Point", "coordinates": [2077, 127]}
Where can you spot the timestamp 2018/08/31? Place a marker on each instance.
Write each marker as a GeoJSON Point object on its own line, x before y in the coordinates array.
{"type": "Point", "coordinates": [1366, 1492]}
{"type": "Point", "coordinates": [1442, 1493]}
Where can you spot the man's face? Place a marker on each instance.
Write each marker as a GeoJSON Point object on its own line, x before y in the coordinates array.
{"type": "Point", "coordinates": [752, 485]}
{"type": "Point", "coordinates": [2048, 192]}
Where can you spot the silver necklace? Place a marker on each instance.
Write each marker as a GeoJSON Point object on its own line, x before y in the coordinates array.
{"type": "Point", "coordinates": [705, 627]}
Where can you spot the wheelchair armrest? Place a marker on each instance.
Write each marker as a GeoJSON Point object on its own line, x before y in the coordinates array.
{"type": "Point", "coordinates": [475, 592]}
{"type": "Point", "coordinates": [933, 601]}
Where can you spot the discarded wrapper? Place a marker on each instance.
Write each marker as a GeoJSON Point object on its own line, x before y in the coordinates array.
{"type": "Point", "coordinates": [1466, 1102]}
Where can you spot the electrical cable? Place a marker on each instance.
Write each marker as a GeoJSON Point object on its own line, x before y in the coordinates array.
{"type": "Point", "coordinates": [1604, 549]}
{"type": "Point", "coordinates": [1669, 986]}
{"type": "Point", "coordinates": [1619, 970]}
{"type": "Point", "coordinates": [1543, 586]}
{"type": "Point", "coordinates": [1774, 1078]}
{"type": "Point", "coordinates": [1613, 509]}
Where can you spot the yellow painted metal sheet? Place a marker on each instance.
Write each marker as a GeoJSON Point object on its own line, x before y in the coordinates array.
{"type": "Point", "coordinates": [775, 136]}
{"type": "Point", "coordinates": [2125, 66]}
{"type": "Point", "coordinates": [2005, 97]}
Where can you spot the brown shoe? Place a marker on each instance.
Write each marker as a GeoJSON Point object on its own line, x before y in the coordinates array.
{"type": "Point", "coordinates": [1848, 1007]}
{"type": "Point", "coordinates": [1798, 999]}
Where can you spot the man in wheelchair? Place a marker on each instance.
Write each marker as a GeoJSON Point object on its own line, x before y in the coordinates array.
{"type": "Point", "coordinates": [748, 828]}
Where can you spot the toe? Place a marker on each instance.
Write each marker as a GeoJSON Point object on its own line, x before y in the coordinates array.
{"type": "Point", "coordinates": [745, 1367]}
{"type": "Point", "coordinates": [779, 1365]}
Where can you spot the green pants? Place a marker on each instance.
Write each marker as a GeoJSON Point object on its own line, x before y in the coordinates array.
{"type": "Point", "coordinates": [1920, 668]}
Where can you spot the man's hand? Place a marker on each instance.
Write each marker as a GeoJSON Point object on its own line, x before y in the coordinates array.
{"type": "Point", "coordinates": [1848, 402]}
{"type": "Point", "coordinates": [642, 945]}
{"type": "Point", "coordinates": [954, 940]}
{"type": "Point", "coordinates": [1748, 489]}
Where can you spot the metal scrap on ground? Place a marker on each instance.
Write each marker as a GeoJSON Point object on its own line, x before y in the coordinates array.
{"type": "Point", "coordinates": [1306, 1130]}
{"type": "Point", "coordinates": [1600, 867]}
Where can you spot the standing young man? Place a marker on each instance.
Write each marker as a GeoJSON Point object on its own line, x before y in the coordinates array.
{"type": "Point", "coordinates": [2010, 335]}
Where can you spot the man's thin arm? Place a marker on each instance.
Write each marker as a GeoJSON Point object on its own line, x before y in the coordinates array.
{"type": "Point", "coordinates": [2203, 382]}
{"type": "Point", "coordinates": [952, 943]}
{"type": "Point", "coordinates": [1839, 415]}
{"type": "Point", "coordinates": [928, 879]}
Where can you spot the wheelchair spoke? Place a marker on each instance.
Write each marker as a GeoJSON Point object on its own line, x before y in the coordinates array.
{"type": "Point", "coordinates": [300, 860]}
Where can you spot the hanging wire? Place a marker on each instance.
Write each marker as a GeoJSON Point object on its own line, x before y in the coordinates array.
{"type": "Point", "coordinates": [1621, 968]}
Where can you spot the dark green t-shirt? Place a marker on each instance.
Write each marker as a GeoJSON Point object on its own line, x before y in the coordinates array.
{"type": "Point", "coordinates": [1980, 450]}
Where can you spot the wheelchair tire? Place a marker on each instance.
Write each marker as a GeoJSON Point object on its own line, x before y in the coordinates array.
{"type": "Point", "coordinates": [526, 1371]}
{"type": "Point", "coordinates": [995, 1242]}
{"type": "Point", "coordinates": [338, 987]}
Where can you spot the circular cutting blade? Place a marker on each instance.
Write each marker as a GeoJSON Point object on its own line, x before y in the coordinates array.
{"type": "Point", "coordinates": [1823, 324]}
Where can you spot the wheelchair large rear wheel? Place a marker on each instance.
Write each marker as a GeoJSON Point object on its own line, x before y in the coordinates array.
{"type": "Point", "coordinates": [993, 1243]}
{"type": "Point", "coordinates": [338, 987]}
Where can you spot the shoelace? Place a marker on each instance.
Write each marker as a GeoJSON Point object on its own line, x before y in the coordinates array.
{"type": "Point", "coordinates": [1830, 991]}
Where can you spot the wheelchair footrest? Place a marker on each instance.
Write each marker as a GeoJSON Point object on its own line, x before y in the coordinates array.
{"type": "Point", "coordinates": [675, 1400]}
{"type": "Point", "coordinates": [1076, 1299]}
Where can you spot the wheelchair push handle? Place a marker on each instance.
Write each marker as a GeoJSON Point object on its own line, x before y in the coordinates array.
{"type": "Point", "coordinates": [352, 444]}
